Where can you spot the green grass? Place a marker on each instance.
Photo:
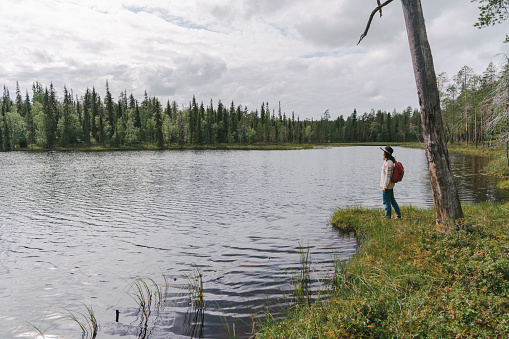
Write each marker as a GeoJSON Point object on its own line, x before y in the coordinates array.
{"type": "Point", "coordinates": [86, 321]}
{"type": "Point", "coordinates": [409, 280]}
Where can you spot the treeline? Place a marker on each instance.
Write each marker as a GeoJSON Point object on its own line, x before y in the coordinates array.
{"type": "Point", "coordinates": [475, 106]}
{"type": "Point", "coordinates": [45, 121]}
{"type": "Point", "coordinates": [474, 109]}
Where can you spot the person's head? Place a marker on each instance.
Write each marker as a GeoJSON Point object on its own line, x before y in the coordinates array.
{"type": "Point", "coordinates": [387, 153]}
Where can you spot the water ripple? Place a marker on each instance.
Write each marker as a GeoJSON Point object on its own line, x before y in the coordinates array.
{"type": "Point", "coordinates": [75, 226]}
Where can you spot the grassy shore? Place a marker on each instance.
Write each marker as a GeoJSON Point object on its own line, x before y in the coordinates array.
{"type": "Point", "coordinates": [409, 280]}
{"type": "Point", "coordinates": [152, 147]}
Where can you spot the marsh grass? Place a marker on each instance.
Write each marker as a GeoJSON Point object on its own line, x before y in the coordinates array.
{"type": "Point", "coordinates": [195, 289]}
{"type": "Point", "coordinates": [195, 316]}
{"type": "Point", "coordinates": [301, 280]}
{"type": "Point", "coordinates": [409, 280]}
{"type": "Point", "coordinates": [85, 318]}
{"type": "Point", "coordinates": [150, 298]}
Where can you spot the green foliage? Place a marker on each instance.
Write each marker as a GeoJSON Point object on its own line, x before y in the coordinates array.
{"type": "Point", "coordinates": [498, 167]}
{"type": "Point", "coordinates": [492, 12]}
{"type": "Point", "coordinates": [504, 184]}
{"type": "Point", "coordinates": [17, 129]}
{"type": "Point", "coordinates": [408, 280]}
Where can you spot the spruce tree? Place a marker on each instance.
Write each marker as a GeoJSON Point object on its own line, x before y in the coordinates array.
{"type": "Point", "coordinates": [159, 124]}
{"type": "Point", "coordinates": [19, 101]}
{"type": "Point", "coordinates": [29, 119]}
{"type": "Point", "coordinates": [95, 113]}
{"type": "Point", "coordinates": [109, 114]}
{"type": "Point", "coordinates": [86, 117]}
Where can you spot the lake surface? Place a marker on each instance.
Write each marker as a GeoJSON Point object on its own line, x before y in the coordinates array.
{"type": "Point", "coordinates": [79, 227]}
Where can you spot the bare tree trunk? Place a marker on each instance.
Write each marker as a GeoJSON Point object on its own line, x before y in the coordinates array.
{"type": "Point", "coordinates": [445, 196]}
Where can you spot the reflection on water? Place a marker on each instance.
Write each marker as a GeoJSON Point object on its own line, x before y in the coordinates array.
{"type": "Point", "coordinates": [77, 226]}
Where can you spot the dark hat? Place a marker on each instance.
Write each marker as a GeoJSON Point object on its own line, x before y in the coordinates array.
{"type": "Point", "coordinates": [387, 149]}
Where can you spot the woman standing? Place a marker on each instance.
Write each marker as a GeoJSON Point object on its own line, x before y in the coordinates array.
{"type": "Point", "coordinates": [386, 183]}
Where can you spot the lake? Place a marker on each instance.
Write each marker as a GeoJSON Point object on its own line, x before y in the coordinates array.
{"type": "Point", "coordinates": [82, 228]}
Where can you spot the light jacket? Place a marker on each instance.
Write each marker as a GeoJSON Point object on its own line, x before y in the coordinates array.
{"type": "Point", "coordinates": [386, 175]}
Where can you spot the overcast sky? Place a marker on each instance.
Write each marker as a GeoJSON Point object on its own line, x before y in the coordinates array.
{"type": "Point", "coordinates": [302, 53]}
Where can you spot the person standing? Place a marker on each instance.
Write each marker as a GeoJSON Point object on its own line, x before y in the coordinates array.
{"type": "Point", "coordinates": [387, 184]}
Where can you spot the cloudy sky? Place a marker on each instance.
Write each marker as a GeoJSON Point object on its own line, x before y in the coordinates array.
{"type": "Point", "coordinates": [302, 53]}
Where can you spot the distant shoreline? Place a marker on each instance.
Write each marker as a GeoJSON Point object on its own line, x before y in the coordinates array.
{"type": "Point", "coordinates": [148, 147]}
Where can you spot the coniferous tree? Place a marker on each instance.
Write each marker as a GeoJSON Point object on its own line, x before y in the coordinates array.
{"type": "Point", "coordinates": [102, 121]}
{"type": "Point", "coordinates": [19, 101]}
{"type": "Point", "coordinates": [65, 137]}
{"type": "Point", "coordinates": [29, 119]}
{"type": "Point", "coordinates": [210, 117]}
{"type": "Point", "coordinates": [109, 113]}
{"type": "Point", "coordinates": [200, 123]}
{"type": "Point", "coordinates": [55, 117]}
{"type": "Point", "coordinates": [159, 124]}
{"type": "Point", "coordinates": [48, 119]}
{"type": "Point", "coordinates": [95, 114]}
{"type": "Point", "coordinates": [86, 117]}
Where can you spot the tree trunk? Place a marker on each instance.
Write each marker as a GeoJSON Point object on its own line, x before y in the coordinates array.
{"type": "Point", "coordinates": [445, 196]}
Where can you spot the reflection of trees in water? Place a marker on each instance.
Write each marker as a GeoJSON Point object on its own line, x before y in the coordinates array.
{"type": "Point", "coordinates": [473, 184]}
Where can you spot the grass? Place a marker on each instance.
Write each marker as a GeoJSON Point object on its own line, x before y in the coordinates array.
{"type": "Point", "coordinates": [195, 315]}
{"type": "Point", "coordinates": [195, 289]}
{"type": "Point", "coordinates": [86, 320]}
{"type": "Point", "coordinates": [301, 278]}
{"type": "Point", "coordinates": [150, 297]}
{"type": "Point", "coordinates": [410, 280]}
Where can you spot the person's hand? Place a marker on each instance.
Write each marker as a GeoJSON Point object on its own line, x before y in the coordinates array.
{"type": "Point", "coordinates": [383, 190]}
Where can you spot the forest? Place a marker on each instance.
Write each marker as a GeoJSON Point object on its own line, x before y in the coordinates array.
{"type": "Point", "coordinates": [474, 110]}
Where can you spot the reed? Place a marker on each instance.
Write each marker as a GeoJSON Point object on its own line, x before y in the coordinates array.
{"type": "Point", "coordinates": [302, 280]}
{"type": "Point", "coordinates": [149, 297]}
{"type": "Point", "coordinates": [86, 320]}
{"type": "Point", "coordinates": [195, 315]}
{"type": "Point", "coordinates": [195, 289]}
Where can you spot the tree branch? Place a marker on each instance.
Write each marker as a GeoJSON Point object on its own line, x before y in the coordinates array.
{"type": "Point", "coordinates": [377, 9]}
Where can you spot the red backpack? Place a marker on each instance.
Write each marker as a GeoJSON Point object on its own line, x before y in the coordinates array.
{"type": "Point", "coordinates": [397, 174]}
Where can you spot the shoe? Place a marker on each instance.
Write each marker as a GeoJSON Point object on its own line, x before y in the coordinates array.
{"type": "Point", "coordinates": [398, 217]}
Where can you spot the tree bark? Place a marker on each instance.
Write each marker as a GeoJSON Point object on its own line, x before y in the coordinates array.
{"type": "Point", "coordinates": [445, 196]}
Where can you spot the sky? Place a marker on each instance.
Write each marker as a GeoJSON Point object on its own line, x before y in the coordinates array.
{"type": "Point", "coordinates": [301, 54]}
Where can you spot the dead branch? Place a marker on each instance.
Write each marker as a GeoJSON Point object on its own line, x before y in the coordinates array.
{"type": "Point", "coordinates": [377, 9]}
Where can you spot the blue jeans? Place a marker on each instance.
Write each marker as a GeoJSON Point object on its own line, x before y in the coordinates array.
{"type": "Point", "coordinates": [388, 198]}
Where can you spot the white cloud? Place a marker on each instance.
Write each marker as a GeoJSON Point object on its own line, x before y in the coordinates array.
{"type": "Point", "coordinates": [303, 53]}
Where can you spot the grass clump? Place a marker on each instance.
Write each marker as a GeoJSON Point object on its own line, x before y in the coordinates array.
{"type": "Point", "coordinates": [407, 279]}
{"type": "Point", "coordinates": [498, 167]}
{"type": "Point", "coordinates": [86, 320]}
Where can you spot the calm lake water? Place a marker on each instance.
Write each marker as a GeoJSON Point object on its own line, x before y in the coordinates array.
{"type": "Point", "coordinates": [77, 227]}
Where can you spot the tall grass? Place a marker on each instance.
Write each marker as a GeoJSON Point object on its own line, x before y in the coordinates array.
{"type": "Point", "coordinates": [301, 280]}
{"type": "Point", "coordinates": [86, 320]}
{"type": "Point", "coordinates": [195, 289]}
{"type": "Point", "coordinates": [150, 298]}
{"type": "Point", "coordinates": [195, 315]}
